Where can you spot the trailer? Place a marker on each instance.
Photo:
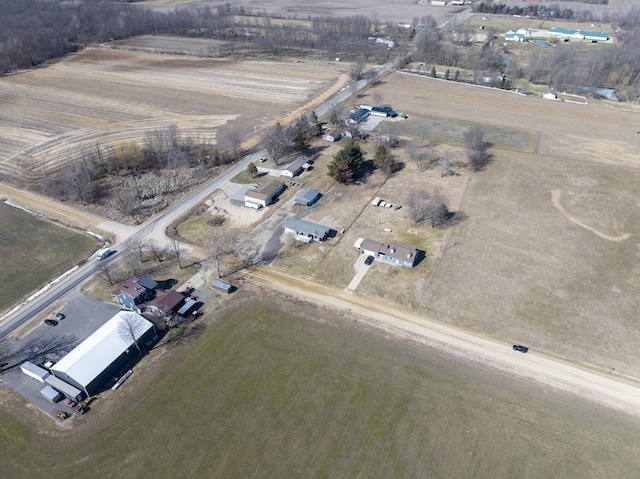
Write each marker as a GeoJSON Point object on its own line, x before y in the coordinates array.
{"type": "Point", "coordinates": [222, 286]}
{"type": "Point", "coordinates": [36, 372]}
{"type": "Point", "coordinates": [102, 253]}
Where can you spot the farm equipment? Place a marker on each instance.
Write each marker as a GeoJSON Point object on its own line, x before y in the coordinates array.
{"type": "Point", "coordinates": [83, 406]}
{"type": "Point", "coordinates": [62, 415]}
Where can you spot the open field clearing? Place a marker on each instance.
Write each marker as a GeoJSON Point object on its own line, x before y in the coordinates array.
{"type": "Point", "coordinates": [398, 10]}
{"type": "Point", "coordinates": [547, 254]}
{"type": "Point", "coordinates": [549, 257]}
{"type": "Point", "coordinates": [104, 96]}
{"type": "Point", "coordinates": [601, 132]}
{"type": "Point", "coordinates": [298, 392]}
{"type": "Point", "coordinates": [544, 251]}
{"type": "Point", "coordinates": [33, 252]}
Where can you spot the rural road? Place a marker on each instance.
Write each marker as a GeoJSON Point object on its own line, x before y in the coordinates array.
{"type": "Point", "coordinates": [610, 390]}
{"type": "Point", "coordinates": [154, 228]}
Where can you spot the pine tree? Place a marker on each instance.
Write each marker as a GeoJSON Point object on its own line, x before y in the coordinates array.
{"type": "Point", "coordinates": [433, 72]}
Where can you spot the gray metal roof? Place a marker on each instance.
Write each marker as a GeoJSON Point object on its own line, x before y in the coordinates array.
{"type": "Point", "coordinates": [92, 356]}
{"type": "Point", "coordinates": [307, 196]}
{"type": "Point", "coordinates": [306, 227]}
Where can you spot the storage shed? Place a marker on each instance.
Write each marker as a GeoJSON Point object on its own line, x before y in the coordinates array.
{"type": "Point", "coordinates": [307, 197]}
{"type": "Point", "coordinates": [51, 394]}
{"type": "Point", "coordinates": [65, 388]}
{"type": "Point", "coordinates": [36, 372]}
{"type": "Point", "coordinates": [222, 286]}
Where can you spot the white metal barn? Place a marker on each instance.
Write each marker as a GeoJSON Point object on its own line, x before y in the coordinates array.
{"type": "Point", "coordinates": [99, 357]}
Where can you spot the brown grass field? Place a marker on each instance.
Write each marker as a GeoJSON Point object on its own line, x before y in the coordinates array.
{"type": "Point", "coordinates": [545, 253]}
{"type": "Point", "coordinates": [99, 95]}
{"type": "Point", "coordinates": [382, 10]}
{"type": "Point", "coordinates": [279, 388]}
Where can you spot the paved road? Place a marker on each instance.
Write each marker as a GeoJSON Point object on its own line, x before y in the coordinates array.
{"type": "Point", "coordinates": [614, 391]}
{"type": "Point", "coordinates": [155, 227]}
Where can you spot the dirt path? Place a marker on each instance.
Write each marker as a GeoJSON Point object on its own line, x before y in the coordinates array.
{"type": "Point", "coordinates": [65, 214]}
{"type": "Point", "coordinates": [556, 195]}
{"type": "Point", "coordinates": [622, 393]}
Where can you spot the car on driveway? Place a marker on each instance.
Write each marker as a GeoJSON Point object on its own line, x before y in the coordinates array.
{"type": "Point", "coordinates": [522, 349]}
{"type": "Point", "coordinates": [50, 322]}
{"type": "Point", "coordinates": [369, 260]}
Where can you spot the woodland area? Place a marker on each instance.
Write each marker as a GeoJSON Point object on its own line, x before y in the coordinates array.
{"type": "Point", "coordinates": [33, 31]}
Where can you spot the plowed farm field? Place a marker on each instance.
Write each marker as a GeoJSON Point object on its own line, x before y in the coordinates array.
{"type": "Point", "coordinates": [50, 114]}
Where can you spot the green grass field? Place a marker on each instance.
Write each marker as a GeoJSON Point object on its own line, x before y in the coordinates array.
{"type": "Point", "coordinates": [262, 393]}
{"type": "Point", "coordinates": [33, 252]}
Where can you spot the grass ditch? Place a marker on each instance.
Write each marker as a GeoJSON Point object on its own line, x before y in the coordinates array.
{"type": "Point", "coordinates": [34, 251]}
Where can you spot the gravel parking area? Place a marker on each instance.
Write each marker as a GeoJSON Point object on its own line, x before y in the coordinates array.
{"type": "Point", "coordinates": [83, 315]}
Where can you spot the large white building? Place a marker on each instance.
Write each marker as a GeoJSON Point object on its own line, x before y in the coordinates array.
{"type": "Point", "coordinates": [103, 354]}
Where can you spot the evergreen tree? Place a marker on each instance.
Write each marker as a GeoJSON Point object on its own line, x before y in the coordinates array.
{"type": "Point", "coordinates": [346, 165]}
{"type": "Point", "coordinates": [457, 75]}
{"type": "Point", "coordinates": [252, 170]}
{"type": "Point", "coordinates": [301, 139]}
{"type": "Point", "coordinates": [446, 74]}
{"type": "Point", "coordinates": [433, 72]}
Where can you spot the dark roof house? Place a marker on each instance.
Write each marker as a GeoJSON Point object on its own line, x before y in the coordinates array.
{"type": "Point", "coordinates": [399, 253]}
{"type": "Point", "coordinates": [168, 301]}
{"type": "Point", "coordinates": [138, 289]}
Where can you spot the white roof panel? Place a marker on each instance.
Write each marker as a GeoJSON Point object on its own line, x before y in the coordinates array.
{"type": "Point", "coordinates": [92, 356]}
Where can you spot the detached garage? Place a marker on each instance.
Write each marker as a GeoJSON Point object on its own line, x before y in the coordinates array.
{"type": "Point", "coordinates": [103, 354]}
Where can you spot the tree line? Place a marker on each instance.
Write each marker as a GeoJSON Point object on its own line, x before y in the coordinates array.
{"type": "Point", "coordinates": [33, 32]}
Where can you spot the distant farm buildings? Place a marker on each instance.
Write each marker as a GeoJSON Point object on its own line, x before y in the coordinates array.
{"type": "Point", "coordinates": [549, 94]}
{"type": "Point", "coordinates": [570, 34]}
{"type": "Point", "coordinates": [332, 135]}
{"type": "Point", "coordinates": [357, 116]}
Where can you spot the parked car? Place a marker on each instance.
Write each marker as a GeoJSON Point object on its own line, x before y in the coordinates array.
{"type": "Point", "coordinates": [262, 160]}
{"type": "Point", "coordinates": [518, 347]}
{"type": "Point", "coordinates": [70, 402]}
{"type": "Point", "coordinates": [50, 322]}
{"type": "Point", "coordinates": [369, 260]}
{"type": "Point", "coordinates": [58, 316]}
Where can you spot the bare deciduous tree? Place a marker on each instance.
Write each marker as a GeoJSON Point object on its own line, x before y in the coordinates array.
{"type": "Point", "coordinates": [128, 328]}
{"type": "Point", "coordinates": [177, 250]}
{"type": "Point", "coordinates": [357, 69]}
{"type": "Point", "coordinates": [108, 273]}
{"type": "Point", "coordinates": [220, 242]}
{"type": "Point", "coordinates": [138, 247]}
{"type": "Point", "coordinates": [422, 207]}
{"type": "Point", "coordinates": [276, 141]}
{"type": "Point", "coordinates": [235, 141]}
{"type": "Point", "coordinates": [476, 148]}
